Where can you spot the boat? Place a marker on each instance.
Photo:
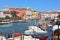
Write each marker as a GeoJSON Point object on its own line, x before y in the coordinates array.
{"type": "Point", "coordinates": [14, 21]}
{"type": "Point", "coordinates": [15, 35]}
{"type": "Point", "coordinates": [36, 29]}
{"type": "Point", "coordinates": [4, 22]}
{"type": "Point", "coordinates": [23, 38]}
{"type": "Point", "coordinates": [2, 38]}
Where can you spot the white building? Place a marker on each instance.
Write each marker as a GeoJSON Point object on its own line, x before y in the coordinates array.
{"type": "Point", "coordinates": [2, 14]}
{"type": "Point", "coordinates": [8, 15]}
{"type": "Point", "coordinates": [52, 15]}
{"type": "Point", "coordinates": [28, 12]}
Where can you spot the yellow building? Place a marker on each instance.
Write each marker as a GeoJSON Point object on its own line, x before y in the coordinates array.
{"type": "Point", "coordinates": [35, 13]}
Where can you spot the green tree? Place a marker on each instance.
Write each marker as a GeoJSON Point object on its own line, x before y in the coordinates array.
{"type": "Point", "coordinates": [13, 13]}
{"type": "Point", "coordinates": [7, 17]}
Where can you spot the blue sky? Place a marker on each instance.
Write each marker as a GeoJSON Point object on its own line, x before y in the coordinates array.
{"type": "Point", "coordinates": [39, 5]}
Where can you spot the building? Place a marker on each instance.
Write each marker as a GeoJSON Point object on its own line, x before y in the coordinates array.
{"type": "Point", "coordinates": [49, 14]}
{"type": "Point", "coordinates": [39, 15]}
{"type": "Point", "coordinates": [2, 14]}
{"type": "Point", "coordinates": [28, 12]}
{"type": "Point", "coordinates": [35, 12]}
{"type": "Point", "coordinates": [21, 12]}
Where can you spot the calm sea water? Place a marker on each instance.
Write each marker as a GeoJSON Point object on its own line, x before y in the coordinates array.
{"type": "Point", "coordinates": [20, 26]}
{"type": "Point", "coordinates": [17, 26]}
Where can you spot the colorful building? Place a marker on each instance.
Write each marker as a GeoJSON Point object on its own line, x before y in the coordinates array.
{"type": "Point", "coordinates": [39, 16]}
{"type": "Point", "coordinates": [21, 12]}
{"type": "Point", "coordinates": [50, 14]}
{"type": "Point", "coordinates": [35, 13]}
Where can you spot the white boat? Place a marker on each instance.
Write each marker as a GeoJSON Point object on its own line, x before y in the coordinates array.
{"type": "Point", "coordinates": [5, 22]}
{"type": "Point", "coordinates": [2, 38]}
{"type": "Point", "coordinates": [36, 29]}
{"type": "Point", "coordinates": [49, 25]}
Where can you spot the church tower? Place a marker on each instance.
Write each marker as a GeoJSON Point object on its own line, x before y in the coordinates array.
{"type": "Point", "coordinates": [6, 8]}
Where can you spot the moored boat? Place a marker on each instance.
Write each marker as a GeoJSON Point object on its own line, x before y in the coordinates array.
{"type": "Point", "coordinates": [36, 29]}
{"type": "Point", "coordinates": [23, 37]}
{"type": "Point", "coordinates": [4, 22]}
{"type": "Point", "coordinates": [2, 38]}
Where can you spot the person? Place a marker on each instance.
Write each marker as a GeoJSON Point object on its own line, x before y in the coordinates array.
{"type": "Point", "coordinates": [56, 33]}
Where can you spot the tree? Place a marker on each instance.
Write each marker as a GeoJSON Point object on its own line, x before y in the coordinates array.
{"type": "Point", "coordinates": [17, 17]}
{"type": "Point", "coordinates": [7, 17]}
{"type": "Point", "coordinates": [13, 13]}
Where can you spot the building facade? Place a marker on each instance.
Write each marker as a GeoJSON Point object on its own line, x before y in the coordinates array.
{"type": "Point", "coordinates": [50, 14]}
{"type": "Point", "coordinates": [35, 13]}
{"type": "Point", "coordinates": [2, 14]}
{"type": "Point", "coordinates": [21, 12]}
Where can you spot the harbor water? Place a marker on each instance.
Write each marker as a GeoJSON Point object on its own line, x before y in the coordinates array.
{"type": "Point", "coordinates": [20, 26]}
{"type": "Point", "coordinates": [17, 26]}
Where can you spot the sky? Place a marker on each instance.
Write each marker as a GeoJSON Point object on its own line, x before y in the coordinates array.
{"type": "Point", "coordinates": [38, 5]}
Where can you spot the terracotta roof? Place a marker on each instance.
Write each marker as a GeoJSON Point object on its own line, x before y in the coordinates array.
{"type": "Point", "coordinates": [51, 12]}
